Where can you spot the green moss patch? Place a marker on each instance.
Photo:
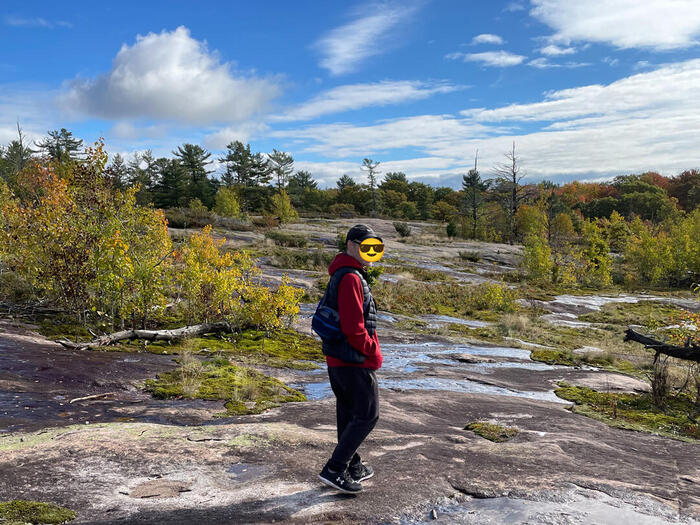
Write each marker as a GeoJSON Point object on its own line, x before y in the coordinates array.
{"type": "Point", "coordinates": [20, 511]}
{"type": "Point", "coordinates": [484, 301]}
{"type": "Point", "coordinates": [281, 349]}
{"type": "Point", "coordinates": [600, 360]}
{"type": "Point", "coordinates": [420, 274]}
{"type": "Point", "coordinates": [492, 432]}
{"type": "Point", "coordinates": [636, 411]}
{"type": "Point", "coordinates": [649, 313]}
{"type": "Point", "coordinates": [245, 390]}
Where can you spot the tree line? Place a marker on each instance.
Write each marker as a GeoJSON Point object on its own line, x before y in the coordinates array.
{"type": "Point", "coordinates": [489, 206]}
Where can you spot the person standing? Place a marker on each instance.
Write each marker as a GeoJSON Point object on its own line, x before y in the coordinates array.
{"type": "Point", "coordinates": [352, 361]}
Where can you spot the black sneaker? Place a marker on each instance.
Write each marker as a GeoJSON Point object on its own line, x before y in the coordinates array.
{"type": "Point", "coordinates": [340, 481]}
{"type": "Point", "coordinates": [360, 472]}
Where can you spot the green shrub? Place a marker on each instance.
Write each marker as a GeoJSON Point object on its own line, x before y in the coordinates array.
{"type": "Point", "coordinates": [403, 229]}
{"type": "Point", "coordinates": [286, 239]}
{"type": "Point", "coordinates": [470, 256]}
{"type": "Point", "coordinates": [492, 432]}
{"type": "Point", "coordinates": [342, 209]}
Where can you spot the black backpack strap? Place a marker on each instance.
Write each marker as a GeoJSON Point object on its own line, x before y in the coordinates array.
{"type": "Point", "coordinates": [331, 296]}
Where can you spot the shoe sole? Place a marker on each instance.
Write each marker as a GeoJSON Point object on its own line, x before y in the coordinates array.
{"type": "Point", "coordinates": [362, 479]}
{"type": "Point", "coordinates": [336, 487]}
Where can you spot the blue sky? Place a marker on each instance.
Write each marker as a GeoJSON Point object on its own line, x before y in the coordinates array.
{"type": "Point", "coordinates": [587, 90]}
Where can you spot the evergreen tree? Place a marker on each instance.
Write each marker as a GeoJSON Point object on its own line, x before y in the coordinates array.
{"type": "Point", "coordinates": [370, 167]}
{"type": "Point", "coordinates": [344, 182]}
{"type": "Point", "coordinates": [60, 145]}
{"type": "Point", "coordinates": [238, 162]}
{"type": "Point", "coordinates": [117, 172]}
{"type": "Point", "coordinates": [193, 160]}
{"type": "Point", "coordinates": [171, 190]}
{"type": "Point", "coordinates": [142, 171]}
{"type": "Point", "coordinates": [300, 181]}
{"type": "Point", "coordinates": [282, 165]}
{"type": "Point", "coordinates": [260, 170]}
{"type": "Point", "coordinates": [474, 189]}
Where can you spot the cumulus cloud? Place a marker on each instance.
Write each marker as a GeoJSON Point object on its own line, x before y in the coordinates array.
{"type": "Point", "coordinates": [344, 48]}
{"type": "Point", "coordinates": [356, 96]}
{"type": "Point", "coordinates": [655, 24]}
{"type": "Point", "coordinates": [514, 7]}
{"type": "Point", "coordinates": [642, 122]}
{"type": "Point", "coordinates": [487, 38]}
{"type": "Point", "coordinates": [171, 76]}
{"type": "Point", "coordinates": [489, 58]}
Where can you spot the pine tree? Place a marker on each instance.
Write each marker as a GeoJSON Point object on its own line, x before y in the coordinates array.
{"type": "Point", "coordinates": [238, 162]}
{"type": "Point", "coordinates": [172, 187]}
{"type": "Point", "coordinates": [117, 172]}
{"type": "Point", "coordinates": [370, 167]}
{"type": "Point", "coordinates": [282, 165]}
{"type": "Point", "coordinates": [474, 189]}
{"type": "Point", "coordinates": [345, 181]}
{"type": "Point", "coordinates": [60, 145]}
{"type": "Point", "coordinates": [193, 160]}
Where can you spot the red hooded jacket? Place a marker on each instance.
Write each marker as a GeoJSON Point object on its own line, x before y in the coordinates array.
{"type": "Point", "coordinates": [352, 321]}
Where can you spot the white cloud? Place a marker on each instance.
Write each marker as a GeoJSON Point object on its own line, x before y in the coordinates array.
{"type": "Point", "coordinates": [356, 96]}
{"type": "Point", "coordinates": [17, 21]}
{"type": "Point", "coordinates": [170, 76]}
{"type": "Point", "coordinates": [553, 51]}
{"type": "Point", "coordinates": [544, 63]}
{"type": "Point", "coordinates": [489, 58]}
{"type": "Point", "coordinates": [345, 47]}
{"type": "Point", "coordinates": [656, 24]}
{"type": "Point", "coordinates": [642, 122]}
{"type": "Point", "coordinates": [242, 132]}
{"type": "Point", "coordinates": [129, 131]}
{"type": "Point", "coordinates": [612, 62]}
{"type": "Point", "coordinates": [487, 38]}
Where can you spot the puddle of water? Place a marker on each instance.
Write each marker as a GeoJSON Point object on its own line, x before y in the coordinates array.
{"type": "Point", "coordinates": [438, 320]}
{"type": "Point", "coordinates": [242, 472]}
{"type": "Point", "coordinates": [465, 386]}
{"type": "Point", "coordinates": [314, 391]}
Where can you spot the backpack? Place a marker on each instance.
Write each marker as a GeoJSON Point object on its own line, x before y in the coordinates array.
{"type": "Point", "coordinates": [326, 321]}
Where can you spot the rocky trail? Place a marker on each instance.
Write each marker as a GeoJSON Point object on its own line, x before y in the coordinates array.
{"type": "Point", "coordinates": [119, 456]}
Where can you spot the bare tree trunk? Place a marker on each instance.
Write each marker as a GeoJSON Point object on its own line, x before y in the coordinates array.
{"type": "Point", "coordinates": [150, 335]}
{"type": "Point", "coordinates": [689, 352]}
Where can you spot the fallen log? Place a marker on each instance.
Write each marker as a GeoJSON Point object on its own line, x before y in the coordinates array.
{"type": "Point", "coordinates": [149, 335]}
{"type": "Point", "coordinates": [689, 352]}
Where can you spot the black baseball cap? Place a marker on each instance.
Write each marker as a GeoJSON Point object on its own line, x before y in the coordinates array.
{"type": "Point", "coordinates": [360, 232]}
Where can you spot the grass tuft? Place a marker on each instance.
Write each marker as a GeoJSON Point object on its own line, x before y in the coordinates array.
{"type": "Point", "coordinates": [492, 432]}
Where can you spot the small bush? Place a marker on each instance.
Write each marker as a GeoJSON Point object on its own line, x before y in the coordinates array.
{"type": "Point", "coordinates": [266, 221]}
{"type": "Point", "coordinates": [451, 229]}
{"type": "Point", "coordinates": [187, 218]}
{"type": "Point", "coordinates": [403, 229]}
{"type": "Point", "coordinates": [346, 211]}
{"type": "Point", "coordinates": [286, 239]}
{"type": "Point", "coordinates": [469, 256]}
{"type": "Point", "coordinates": [494, 296]}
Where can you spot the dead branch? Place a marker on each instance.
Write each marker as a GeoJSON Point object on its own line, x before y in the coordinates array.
{"type": "Point", "coordinates": [150, 335]}
{"type": "Point", "coordinates": [94, 396]}
{"type": "Point", "coordinates": [689, 352]}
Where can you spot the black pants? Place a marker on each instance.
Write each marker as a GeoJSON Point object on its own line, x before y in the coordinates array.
{"type": "Point", "coordinates": [357, 411]}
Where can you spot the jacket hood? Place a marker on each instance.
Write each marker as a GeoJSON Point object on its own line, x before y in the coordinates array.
{"type": "Point", "coordinates": [343, 259]}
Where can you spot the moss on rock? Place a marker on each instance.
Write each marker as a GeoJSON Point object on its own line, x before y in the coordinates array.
{"type": "Point", "coordinates": [636, 411]}
{"type": "Point", "coordinates": [492, 432]}
{"type": "Point", "coordinates": [21, 512]}
{"type": "Point", "coordinates": [245, 391]}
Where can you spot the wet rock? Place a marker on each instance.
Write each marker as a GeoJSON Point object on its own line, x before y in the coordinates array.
{"type": "Point", "coordinates": [159, 488]}
{"type": "Point", "coordinates": [588, 350]}
{"type": "Point", "coordinates": [467, 358]}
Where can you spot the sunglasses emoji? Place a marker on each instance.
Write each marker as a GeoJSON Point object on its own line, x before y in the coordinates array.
{"type": "Point", "coordinates": [371, 250]}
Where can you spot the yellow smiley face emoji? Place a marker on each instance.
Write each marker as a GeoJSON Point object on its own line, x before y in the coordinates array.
{"type": "Point", "coordinates": [371, 250]}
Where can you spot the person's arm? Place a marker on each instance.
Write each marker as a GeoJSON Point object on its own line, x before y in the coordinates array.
{"type": "Point", "coordinates": [352, 322]}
